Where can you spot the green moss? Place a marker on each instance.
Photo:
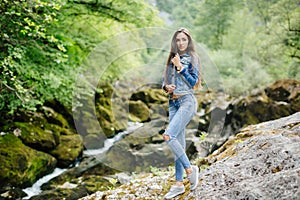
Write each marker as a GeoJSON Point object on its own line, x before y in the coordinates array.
{"type": "Point", "coordinates": [97, 183]}
{"type": "Point", "coordinates": [140, 110]}
{"type": "Point", "coordinates": [70, 147]}
{"type": "Point", "coordinates": [21, 165]}
{"type": "Point", "coordinates": [37, 137]}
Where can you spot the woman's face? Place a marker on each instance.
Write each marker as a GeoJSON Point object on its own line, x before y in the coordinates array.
{"type": "Point", "coordinates": [182, 42]}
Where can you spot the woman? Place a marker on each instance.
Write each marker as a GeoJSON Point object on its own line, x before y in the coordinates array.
{"type": "Point", "coordinates": [182, 75]}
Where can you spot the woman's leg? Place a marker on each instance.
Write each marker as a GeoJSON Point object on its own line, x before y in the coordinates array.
{"type": "Point", "coordinates": [179, 169]}
{"type": "Point", "coordinates": [186, 110]}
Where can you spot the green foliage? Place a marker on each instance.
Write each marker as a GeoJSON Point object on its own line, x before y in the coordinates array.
{"type": "Point", "coordinates": [214, 19]}
{"type": "Point", "coordinates": [252, 42]}
{"type": "Point", "coordinates": [45, 42]}
{"type": "Point", "coordinates": [30, 52]}
{"type": "Point", "coordinates": [203, 137]}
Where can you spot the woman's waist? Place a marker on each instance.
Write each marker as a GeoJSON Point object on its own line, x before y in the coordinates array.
{"type": "Point", "coordinates": [178, 95]}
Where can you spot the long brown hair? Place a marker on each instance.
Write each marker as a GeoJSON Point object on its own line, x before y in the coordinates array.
{"type": "Point", "coordinates": [190, 50]}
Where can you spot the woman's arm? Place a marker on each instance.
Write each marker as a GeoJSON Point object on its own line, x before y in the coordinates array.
{"type": "Point", "coordinates": [191, 74]}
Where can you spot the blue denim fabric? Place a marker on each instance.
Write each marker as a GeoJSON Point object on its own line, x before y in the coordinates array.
{"type": "Point", "coordinates": [187, 78]}
{"type": "Point", "coordinates": [181, 111]}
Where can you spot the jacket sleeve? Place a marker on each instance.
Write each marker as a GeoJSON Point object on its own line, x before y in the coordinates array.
{"type": "Point", "coordinates": [191, 74]}
{"type": "Point", "coordinates": [163, 84]}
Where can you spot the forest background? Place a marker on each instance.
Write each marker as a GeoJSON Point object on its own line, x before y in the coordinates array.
{"type": "Point", "coordinates": [45, 43]}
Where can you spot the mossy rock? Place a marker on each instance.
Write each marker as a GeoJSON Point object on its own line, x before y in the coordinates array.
{"type": "Point", "coordinates": [97, 183]}
{"type": "Point", "coordinates": [282, 89]}
{"type": "Point", "coordinates": [55, 118]}
{"type": "Point", "coordinates": [62, 193]}
{"type": "Point", "coordinates": [94, 141]}
{"type": "Point", "coordinates": [139, 110]}
{"type": "Point", "coordinates": [68, 150]}
{"type": "Point", "coordinates": [257, 108]}
{"type": "Point", "coordinates": [20, 165]}
{"type": "Point", "coordinates": [112, 120]}
{"type": "Point", "coordinates": [294, 98]}
{"type": "Point", "coordinates": [149, 96]}
{"type": "Point", "coordinates": [38, 138]}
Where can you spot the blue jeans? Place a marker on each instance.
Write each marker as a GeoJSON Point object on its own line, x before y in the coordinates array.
{"type": "Point", "coordinates": [181, 111]}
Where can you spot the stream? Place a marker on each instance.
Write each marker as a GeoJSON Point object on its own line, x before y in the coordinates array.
{"type": "Point", "coordinates": [35, 189]}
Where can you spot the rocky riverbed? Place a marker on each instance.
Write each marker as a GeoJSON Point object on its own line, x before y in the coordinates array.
{"type": "Point", "coordinates": [33, 144]}
{"type": "Point", "coordinates": [261, 162]}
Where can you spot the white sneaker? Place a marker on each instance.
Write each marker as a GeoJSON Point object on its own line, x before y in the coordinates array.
{"type": "Point", "coordinates": [193, 177]}
{"type": "Point", "coordinates": [174, 191]}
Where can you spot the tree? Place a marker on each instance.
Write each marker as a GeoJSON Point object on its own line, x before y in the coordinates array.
{"type": "Point", "coordinates": [44, 43]}
{"type": "Point", "coordinates": [26, 46]}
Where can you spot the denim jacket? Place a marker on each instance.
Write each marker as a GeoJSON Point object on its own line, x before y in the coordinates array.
{"type": "Point", "coordinates": [187, 78]}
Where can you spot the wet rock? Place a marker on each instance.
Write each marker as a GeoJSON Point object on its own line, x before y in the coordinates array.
{"type": "Point", "coordinates": [69, 149]}
{"type": "Point", "coordinates": [60, 193]}
{"type": "Point", "coordinates": [139, 111]}
{"type": "Point", "coordinates": [20, 165]}
{"type": "Point", "coordinates": [149, 96]}
{"type": "Point", "coordinates": [136, 152]}
{"type": "Point", "coordinates": [102, 116]}
{"type": "Point", "coordinates": [278, 100]}
{"type": "Point", "coordinates": [143, 148]}
{"type": "Point", "coordinates": [282, 90]}
{"type": "Point", "coordinates": [94, 141]}
{"type": "Point", "coordinates": [260, 162]}
{"type": "Point", "coordinates": [38, 138]}
{"type": "Point", "coordinates": [257, 108]}
{"type": "Point", "coordinates": [89, 176]}
{"type": "Point", "coordinates": [11, 193]}
{"type": "Point", "coordinates": [224, 116]}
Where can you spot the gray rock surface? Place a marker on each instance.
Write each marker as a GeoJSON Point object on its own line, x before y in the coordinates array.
{"type": "Point", "coordinates": [261, 162]}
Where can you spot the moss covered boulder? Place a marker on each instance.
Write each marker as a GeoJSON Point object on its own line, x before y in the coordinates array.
{"type": "Point", "coordinates": [275, 101]}
{"type": "Point", "coordinates": [150, 95]}
{"type": "Point", "coordinates": [100, 117]}
{"type": "Point", "coordinates": [38, 138]}
{"type": "Point", "coordinates": [282, 89]}
{"type": "Point", "coordinates": [139, 111]}
{"type": "Point", "coordinates": [140, 150]}
{"type": "Point", "coordinates": [70, 147]}
{"type": "Point", "coordinates": [20, 165]}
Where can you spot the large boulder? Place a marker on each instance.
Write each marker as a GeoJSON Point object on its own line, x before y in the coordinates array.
{"type": "Point", "coordinates": [260, 162]}
{"type": "Point", "coordinates": [286, 90]}
{"type": "Point", "coordinates": [36, 137]}
{"type": "Point", "coordinates": [275, 101]}
{"type": "Point", "coordinates": [150, 95]}
{"type": "Point", "coordinates": [69, 149]}
{"type": "Point", "coordinates": [144, 148]}
{"type": "Point", "coordinates": [256, 108]}
{"type": "Point", "coordinates": [222, 116]}
{"type": "Point", "coordinates": [100, 117]}
{"type": "Point", "coordinates": [139, 111]}
{"type": "Point", "coordinates": [282, 90]}
{"type": "Point", "coordinates": [21, 165]}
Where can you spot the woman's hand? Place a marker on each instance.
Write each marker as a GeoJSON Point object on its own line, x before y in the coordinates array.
{"type": "Point", "coordinates": [176, 62]}
{"type": "Point", "coordinates": [170, 88]}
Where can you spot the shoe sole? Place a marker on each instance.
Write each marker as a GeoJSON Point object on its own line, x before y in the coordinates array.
{"type": "Point", "coordinates": [174, 195]}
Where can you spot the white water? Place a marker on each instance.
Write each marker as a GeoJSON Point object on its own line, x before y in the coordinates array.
{"type": "Point", "coordinates": [35, 189]}
{"type": "Point", "coordinates": [109, 142]}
